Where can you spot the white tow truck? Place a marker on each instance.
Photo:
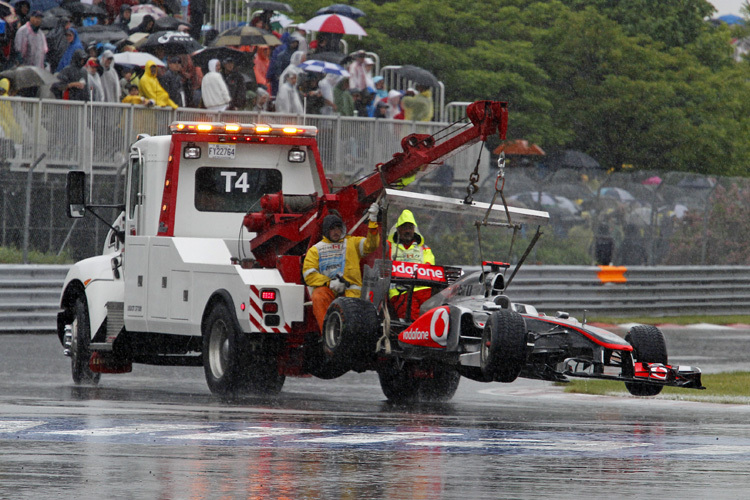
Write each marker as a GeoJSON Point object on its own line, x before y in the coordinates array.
{"type": "Point", "coordinates": [203, 265]}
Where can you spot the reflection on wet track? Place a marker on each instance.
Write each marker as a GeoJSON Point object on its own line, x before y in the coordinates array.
{"type": "Point", "coordinates": [159, 433]}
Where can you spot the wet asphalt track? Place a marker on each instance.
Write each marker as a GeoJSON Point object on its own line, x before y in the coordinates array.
{"type": "Point", "coordinates": [159, 433]}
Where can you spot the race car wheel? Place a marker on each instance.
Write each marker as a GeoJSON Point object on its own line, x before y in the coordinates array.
{"type": "Point", "coordinates": [503, 351]}
{"type": "Point", "coordinates": [222, 353]}
{"type": "Point", "coordinates": [350, 331]}
{"type": "Point", "coordinates": [649, 346]}
{"type": "Point", "coordinates": [398, 383]}
{"type": "Point", "coordinates": [441, 386]}
{"type": "Point", "coordinates": [80, 351]}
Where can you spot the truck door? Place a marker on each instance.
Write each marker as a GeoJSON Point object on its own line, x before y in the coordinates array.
{"type": "Point", "coordinates": [136, 246]}
{"type": "Point", "coordinates": [134, 210]}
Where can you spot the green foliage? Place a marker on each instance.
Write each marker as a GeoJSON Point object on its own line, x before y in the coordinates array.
{"type": "Point", "coordinates": [12, 255]}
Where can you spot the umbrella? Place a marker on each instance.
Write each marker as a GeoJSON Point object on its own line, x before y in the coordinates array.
{"type": "Point", "coordinates": [269, 5]}
{"type": "Point", "coordinates": [731, 19]}
{"type": "Point", "coordinates": [652, 181]}
{"type": "Point", "coordinates": [146, 8]}
{"type": "Point", "coordinates": [574, 159]}
{"type": "Point", "coordinates": [280, 21]}
{"type": "Point", "coordinates": [245, 35]}
{"type": "Point", "coordinates": [418, 75]}
{"type": "Point", "coordinates": [202, 57]}
{"type": "Point", "coordinates": [172, 42]}
{"type": "Point", "coordinates": [341, 9]}
{"type": "Point", "coordinates": [29, 76]}
{"type": "Point", "coordinates": [168, 23]}
{"type": "Point", "coordinates": [100, 33]}
{"type": "Point", "coordinates": [42, 5]}
{"type": "Point", "coordinates": [52, 17]}
{"type": "Point", "coordinates": [136, 59]}
{"type": "Point", "coordinates": [80, 9]}
{"type": "Point", "coordinates": [333, 23]}
{"type": "Point", "coordinates": [334, 57]}
{"type": "Point", "coordinates": [519, 147]}
{"type": "Point", "coordinates": [618, 194]}
{"type": "Point", "coordinates": [323, 67]}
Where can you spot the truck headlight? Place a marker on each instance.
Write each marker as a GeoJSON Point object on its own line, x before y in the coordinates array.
{"type": "Point", "coordinates": [296, 156]}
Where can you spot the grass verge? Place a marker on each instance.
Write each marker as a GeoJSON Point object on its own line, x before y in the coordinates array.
{"type": "Point", "coordinates": [12, 255]}
{"type": "Point", "coordinates": [729, 388]}
{"type": "Point", "coordinates": [676, 320]}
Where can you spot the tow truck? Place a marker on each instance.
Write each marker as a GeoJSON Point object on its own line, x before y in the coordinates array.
{"type": "Point", "coordinates": [203, 268]}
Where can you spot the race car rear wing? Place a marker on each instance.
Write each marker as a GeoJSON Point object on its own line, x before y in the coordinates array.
{"type": "Point", "coordinates": [496, 214]}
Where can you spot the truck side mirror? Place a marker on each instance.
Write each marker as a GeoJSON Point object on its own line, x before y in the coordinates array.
{"type": "Point", "coordinates": [75, 193]}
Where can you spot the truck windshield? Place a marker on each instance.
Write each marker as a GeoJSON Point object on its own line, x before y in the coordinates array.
{"type": "Point", "coordinates": [233, 189]}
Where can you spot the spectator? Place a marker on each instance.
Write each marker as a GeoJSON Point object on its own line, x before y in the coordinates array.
{"type": "Point", "coordinates": [71, 81]}
{"type": "Point", "coordinates": [150, 87]}
{"type": "Point", "coordinates": [122, 21]}
{"type": "Point", "coordinates": [343, 98]}
{"type": "Point", "coordinates": [192, 75]}
{"type": "Point", "coordinates": [357, 72]}
{"type": "Point", "coordinates": [31, 44]}
{"type": "Point", "coordinates": [197, 13]}
{"type": "Point", "coordinates": [379, 95]}
{"type": "Point", "coordinates": [288, 100]}
{"type": "Point", "coordinates": [312, 97]}
{"type": "Point", "coordinates": [74, 43]}
{"type": "Point", "coordinates": [10, 130]}
{"type": "Point", "coordinates": [22, 12]}
{"type": "Point", "coordinates": [110, 80]}
{"type": "Point", "coordinates": [235, 84]}
{"type": "Point", "coordinates": [129, 78]}
{"type": "Point", "coordinates": [262, 100]}
{"type": "Point", "coordinates": [146, 26]}
{"type": "Point", "coordinates": [214, 91]}
{"type": "Point", "coordinates": [418, 104]}
{"type": "Point", "coordinates": [93, 81]}
{"type": "Point", "coordinates": [57, 43]}
{"type": "Point", "coordinates": [326, 92]}
{"type": "Point", "coordinates": [280, 59]}
{"type": "Point", "coordinates": [261, 65]}
{"type": "Point", "coordinates": [394, 105]}
{"type": "Point", "coordinates": [134, 97]}
{"type": "Point", "coordinates": [369, 69]}
{"type": "Point", "coordinates": [172, 81]}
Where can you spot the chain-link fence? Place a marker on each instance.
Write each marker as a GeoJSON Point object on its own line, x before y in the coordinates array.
{"type": "Point", "coordinates": [626, 218]}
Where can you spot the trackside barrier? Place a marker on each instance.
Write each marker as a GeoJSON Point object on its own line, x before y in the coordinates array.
{"type": "Point", "coordinates": [29, 294]}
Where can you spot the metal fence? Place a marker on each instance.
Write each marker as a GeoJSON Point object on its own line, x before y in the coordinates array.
{"type": "Point", "coordinates": [29, 295]}
{"type": "Point", "coordinates": [631, 218]}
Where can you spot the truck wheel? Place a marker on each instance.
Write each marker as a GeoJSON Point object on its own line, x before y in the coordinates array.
{"type": "Point", "coordinates": [503, 351]}
{"type": "Point", "coordinates": [649, 346]}
{"type": "Point", "coordinates": [262, 377]}
{"type": "Point", "coordinates": [350, 331]}
{"type": "Point", "coordinates": [442, 386]}
{"type": "Point", "coordinates": [80, 351]}
{"type": "Point", "coordinates": [398, 383]}
{"type": "Point", "coordinates": [222, 353]}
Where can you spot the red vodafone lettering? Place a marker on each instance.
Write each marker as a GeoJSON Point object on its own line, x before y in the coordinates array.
{"type": "Point", "coordinates": [429, 272]}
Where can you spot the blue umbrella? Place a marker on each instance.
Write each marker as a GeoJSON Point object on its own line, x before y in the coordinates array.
{"type": "Point", "coordinates": [342, 10]}
{"type": "Point", "coordinates": [323, 67]}
{"type": "Point", "coordinates": [43, 5]}
{"type": "Point", "coordinates": [731, 19]}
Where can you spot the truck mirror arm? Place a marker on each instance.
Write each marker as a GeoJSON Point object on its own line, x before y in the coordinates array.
{"type": "Point", "coordinates": [120, 233]}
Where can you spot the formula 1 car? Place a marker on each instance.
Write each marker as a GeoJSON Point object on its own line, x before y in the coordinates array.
{"type": "Point", "coordinates": [471, 328]}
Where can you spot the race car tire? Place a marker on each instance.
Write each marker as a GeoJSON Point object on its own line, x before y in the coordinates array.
{"type": "Point", "coordinates": [222, 352]}
{"type": "Point", "coordinates": [437, 383]}
{"type": "Point", "coordinates": [649, 346]}
{"type": "Point", "coordinates": [503, 350]}
{"type": "Point", "coordinates": [80, 350]}
{"type": "Point", "coordinates": [442, 386]}
{"type": "Point", "coordinates": [398, 382]}
{"type": "Point", "coordinates": [350, 331]}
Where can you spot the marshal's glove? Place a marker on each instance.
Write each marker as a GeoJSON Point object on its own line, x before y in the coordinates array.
{"type": "Point", "coordinates": [373, 212]}
{"type": "Point", "coordinates": [337, 286]}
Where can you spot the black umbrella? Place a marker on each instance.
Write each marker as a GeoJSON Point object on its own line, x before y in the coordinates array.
{"type": "Point", "coordinates": [28, 76]}
{"type": "Point", "coordinates": [418, 75]}
{"type": "Point", "coordinates": [573, 159]}
{"type": "Point", "coordinates": [333, 57]}
{"type": "Point", "coordinates": [270, 6]}
{"type": "Point", "coordinates": [172, 42]}
{"type": "Point", "coordinates": [99, 33]}
{"type": "Point", "coordinates": [241, 59]}
{"type": "Point", "coordinates": [168, 23]}
{"type": "Point", "coordinates": [245, 35]}
{"type": "Point", "coordinates": [52, 17]}
{"type": "Point", "coordinates": [79, 9]}
{"type": "Point", "coordinates": [172, 6]}
{"type": "Point", "coordinates": [342, 10]}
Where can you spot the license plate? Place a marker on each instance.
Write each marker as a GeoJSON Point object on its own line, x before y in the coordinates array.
{"type": "Point", "coordinates": [224, 151]}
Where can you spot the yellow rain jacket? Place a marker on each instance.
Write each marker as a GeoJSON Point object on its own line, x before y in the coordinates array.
{"type": "Point", "coordinates": [417, 252]}
{"type": "Point", "coordinates": [150, 88]}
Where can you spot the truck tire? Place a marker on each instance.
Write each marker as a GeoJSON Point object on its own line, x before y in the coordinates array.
{"type": "Point", "coordinates": [222, 351]}
{"type": "Point", "coordinates": [649, 346]}
{"type": "Point", "coordinates": [262, 377]}
{"type": "Point", "coordinates": [400, 385]}
{"type": "Point", "coordinates": [80, 351]}
{"type": "Point", "coordinates": [350, 331]}
{"type": "Point", "coordinates": [503, 350]}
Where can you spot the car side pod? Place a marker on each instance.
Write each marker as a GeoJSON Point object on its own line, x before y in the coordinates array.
{"type": "Point", "coordinates": [688, 377]}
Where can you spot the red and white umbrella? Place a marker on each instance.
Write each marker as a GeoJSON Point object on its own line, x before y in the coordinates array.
{"type": "Point", "coordinates": [333, 23]}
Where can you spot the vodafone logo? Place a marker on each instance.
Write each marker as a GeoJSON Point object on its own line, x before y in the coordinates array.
{"type": "Point", "coordinates": [439, 326]}
{"type": "Point", "coordinates": [422, 271]}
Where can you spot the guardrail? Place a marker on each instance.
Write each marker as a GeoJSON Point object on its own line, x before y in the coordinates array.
{"type": "Point", "coordinates": [29, 294]}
